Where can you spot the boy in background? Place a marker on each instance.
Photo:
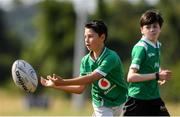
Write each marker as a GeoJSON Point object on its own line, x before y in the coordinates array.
{"type": "Point", "coordinates": [145, 72]}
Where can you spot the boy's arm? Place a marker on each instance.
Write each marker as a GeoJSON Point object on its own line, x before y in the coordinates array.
{"type": "Point", "coordinates": [78, 89]}
{"type": "Point", "coordinates": [81, 80]}
{"type": "Point", "coordinates": [133, 76]}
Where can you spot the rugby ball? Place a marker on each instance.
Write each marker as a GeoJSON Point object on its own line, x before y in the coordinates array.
{"type": "Point", "coordinates": [24, 76]}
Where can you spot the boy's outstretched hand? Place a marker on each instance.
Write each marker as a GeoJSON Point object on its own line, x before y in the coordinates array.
{"type": "Point", "coordinates": [47, 82]}
{"type": "Point", "coordinates": [51, 81]}
{"type": "Point", "coordinates": [56, 79]}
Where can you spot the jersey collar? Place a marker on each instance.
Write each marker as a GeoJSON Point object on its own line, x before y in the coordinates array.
{"type": "Point", "coordinates": [149, 42]}
{"type": "Point", "coordinates": [99, 56]}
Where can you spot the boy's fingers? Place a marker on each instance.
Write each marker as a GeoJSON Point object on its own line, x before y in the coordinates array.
{"type": "Point", "coordinates": [49, 77]}
{"type": "Point", "coordinates": [43, 81]}
{"type": "Point", "coordinates": [168, 71]}
{"type": "Point", "coordinates": [161, 82]}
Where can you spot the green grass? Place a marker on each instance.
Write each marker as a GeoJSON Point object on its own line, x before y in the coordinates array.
{"type": "Point", "coordinates": [12, 103]}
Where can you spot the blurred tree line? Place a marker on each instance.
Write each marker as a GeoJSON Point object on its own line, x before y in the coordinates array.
{"type": "Point", "coordinates": [51, 51]}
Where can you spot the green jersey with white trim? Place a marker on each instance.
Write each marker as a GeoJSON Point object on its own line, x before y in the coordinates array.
{"type": "Point", "coordinates": [145, 58]}
{"type": "Point", "coordinates": [111, 90]}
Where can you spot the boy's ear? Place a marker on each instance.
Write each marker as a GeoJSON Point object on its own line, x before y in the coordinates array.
{"type": "Point", "coordinates": [103, 37]}
{"type": "Point", "coordinates": [141, 30]}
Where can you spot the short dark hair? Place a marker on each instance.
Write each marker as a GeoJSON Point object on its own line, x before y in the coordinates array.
{"type": "Point", "coordinates": [150, 17]}
{"type": "Point", "coordinates": [98, 26]}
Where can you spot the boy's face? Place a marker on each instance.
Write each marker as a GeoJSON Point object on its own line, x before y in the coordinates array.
{"type": "Point", "coordinates": [151, 31]}
{"type": "Point", "coordinates": [93, 41]}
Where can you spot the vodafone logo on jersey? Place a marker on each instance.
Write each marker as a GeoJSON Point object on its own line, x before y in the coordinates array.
{"type": "Point", "coordinates": [104, 83]}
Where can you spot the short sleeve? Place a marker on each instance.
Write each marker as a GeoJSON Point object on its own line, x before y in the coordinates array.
{"type": "Point", "coordinates": [82, 69]}
{"type": "Point", "coordinates": [107, 65]}
{"type": "Point", "coordinates": [138, 55]}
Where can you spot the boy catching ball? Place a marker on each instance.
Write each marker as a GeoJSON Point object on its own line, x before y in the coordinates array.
{"type": "Point", "coordinates": [102, 68]}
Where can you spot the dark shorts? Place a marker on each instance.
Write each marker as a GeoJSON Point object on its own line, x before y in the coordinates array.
{"type": "Point", "coordinates": [136, 107]}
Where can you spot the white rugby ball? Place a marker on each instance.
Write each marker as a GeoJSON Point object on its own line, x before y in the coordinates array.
{"type": "Point", "coordinates": [24, 76]}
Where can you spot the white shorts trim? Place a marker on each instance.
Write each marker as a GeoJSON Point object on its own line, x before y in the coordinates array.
{"type": "Point", "coordinates": [103, 111]}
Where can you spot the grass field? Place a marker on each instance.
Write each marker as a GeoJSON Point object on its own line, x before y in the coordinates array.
{"type": "Point", "coordinates": [13, 104]}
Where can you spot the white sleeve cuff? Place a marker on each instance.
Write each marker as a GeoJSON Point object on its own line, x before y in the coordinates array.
{"type": "Point", "coordinates": [134, 66]}
{"type": "Point", "coordinates": [100, 72]}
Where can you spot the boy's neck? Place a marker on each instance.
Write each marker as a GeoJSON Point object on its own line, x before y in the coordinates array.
{"type": "Point", "coordinates": [97, 53]}
{"type": "Point", "coordinates": [154, 41]}
{"type": "Point", "coordinates": [154, 44]}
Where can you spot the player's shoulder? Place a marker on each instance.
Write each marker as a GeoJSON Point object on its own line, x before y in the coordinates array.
{"type": "Point", "coordinates": [113, 55]}
{"type": "Point", "coordinates": [85, 57]}
{"type": "Point", "coordinates": [111, 52]}
{"type": "Point", "coordinates": [141, 44]}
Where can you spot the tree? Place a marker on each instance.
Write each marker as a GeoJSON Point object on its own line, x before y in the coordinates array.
{"type": "Point", "coordinates": [52, 50]}
{"type": "Point", "coordinates": [10, 47]}
{"type": "Point", "coordinates": [170, 36]}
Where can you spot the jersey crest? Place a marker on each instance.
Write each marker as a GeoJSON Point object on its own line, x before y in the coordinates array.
{"type": "Point", "coordinates": [104, 83]}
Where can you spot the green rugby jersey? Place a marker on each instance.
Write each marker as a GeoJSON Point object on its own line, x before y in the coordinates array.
{"type": "Point", "coordinates": [145, 58]}
{"type": "Point", "coordinates": [111, 90]}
